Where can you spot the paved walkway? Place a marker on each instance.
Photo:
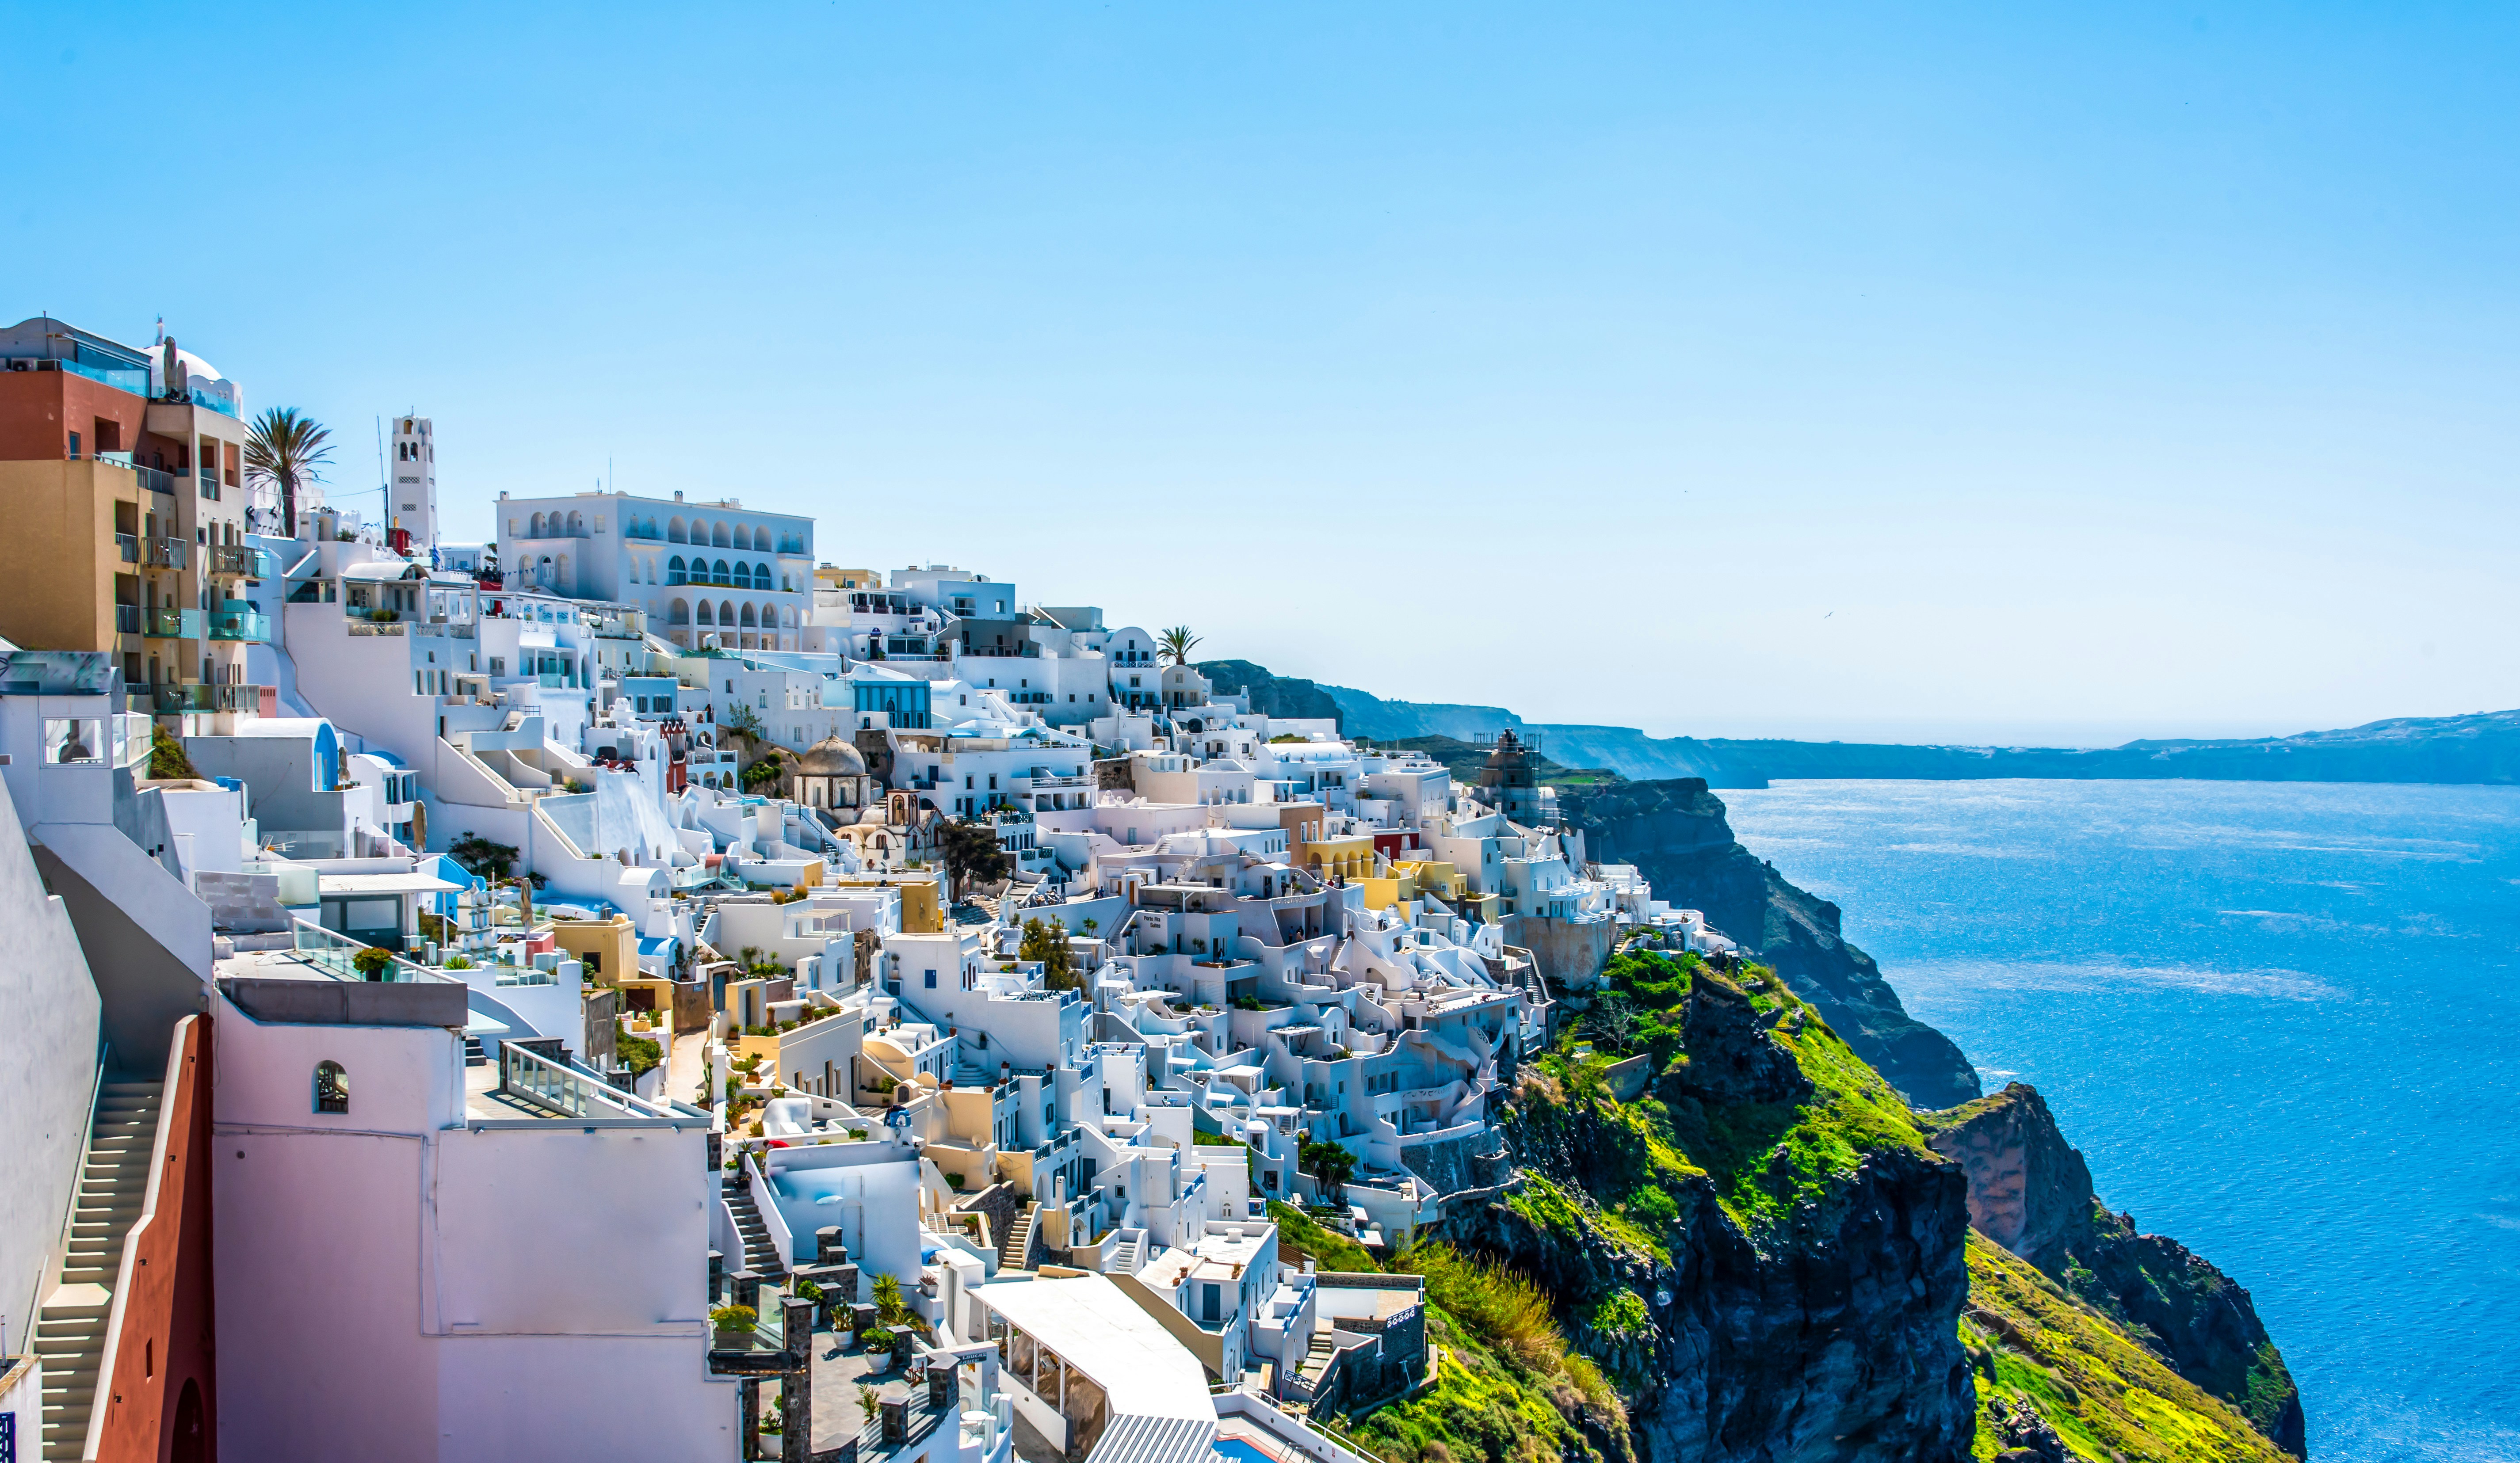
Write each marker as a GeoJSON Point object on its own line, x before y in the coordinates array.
{"type": "Point", "coordinates": [686, 1064]}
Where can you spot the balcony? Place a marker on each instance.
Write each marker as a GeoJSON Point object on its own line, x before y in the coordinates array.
{"type": "Point", "coordinates": [127, 619]}
{"type": "Point", "coordinates": [129, 544]}
{"type": "Point", "coordinates": [169, 699]}
{"type": "Point", "coordinates": [237, 620]}
{"type": "Point", "coordinates": [236, 696]}
{"type": "Point", "coordinates": [169, 623]}
{"type": "Point", "coordinates": [151, 479]}
{"type": "Point", "coordinates": [164, 553]}
{"type": "Point", "coordinates": [238, 561]}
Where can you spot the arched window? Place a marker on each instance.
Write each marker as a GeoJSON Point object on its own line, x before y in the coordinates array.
{"type": "Point", "coordinates": [332, 1087]}
{"type": "Point", "coordinates": [674, 531]}
{"type": "Point", "coordinates": [747, 616]}
{"type": "Point", "coordinates": [726, 612]}
{"type": "Point", "coordinates": [706, 617]}
{"type": "Point", "coordinates": [680, 614]}
{"type": "Point", "coordinates": [576, 525]}
{"type": "Point", "coordinates": [761, 539]}
{"type": "Point", "coordinates": [722, 573]}
{"type": "Point", "coordinates": [786, 616]}
{"type": "Point", "coordinates": [762, 576]}
{"type": "Point", "coordinates": [534, 527]}
{"type": "Point", "coordinates": [718, 537]}
{"type": "Point", "coordinates": [674, 570]}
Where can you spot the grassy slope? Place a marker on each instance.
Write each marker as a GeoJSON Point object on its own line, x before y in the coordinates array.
{"type": "Point", "coordinates": [2100, 1392]}
{"type": "Point", "coordinates": [1508, 1390]}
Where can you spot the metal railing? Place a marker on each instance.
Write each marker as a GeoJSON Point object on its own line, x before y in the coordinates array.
{"type": "Point", "coordinates": [151, 478]}
{"type": "Point", "coordinates": [129, 544]}
{"type": "Point", "coordinates": [529, 1074]}
{"type": "Point", "coordinates": [169, 554]}
{"type": "Point", "coordinates": [240, 562]}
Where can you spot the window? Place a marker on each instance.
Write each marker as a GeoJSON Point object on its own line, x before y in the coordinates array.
{"type": "Point", "coordinates": [332, 1087]}
{"type": "Point", "coordinates": [931, 980]}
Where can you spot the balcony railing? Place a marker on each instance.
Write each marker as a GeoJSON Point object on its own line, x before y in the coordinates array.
{"type": "Point", "coordinates": [167, 623]}
{"type": "Point", "coordinates": [154, 480]}
{"type": "Point", "coordinates": [238, 622]}
{"type": "Point", "coordinates": [209, 478]}
{"type": "Point", "coordinates": [169, 552]}
{"type": "Point", "coordinates": [236, 696]}
{"type": "Point", "coordinates": [337, 955]}
{"type": "Point", "coordinates": [240, 562]}
{"type": "Point", "coordinates": [127, 619]}
{"type": "Point", "coordinates": [129, 544]}
{"type": "Point", "coordinates": [529, 1074]}
{"type": "Point", "coordinates": [169, 699]}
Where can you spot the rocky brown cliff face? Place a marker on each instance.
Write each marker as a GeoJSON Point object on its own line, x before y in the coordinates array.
{"type": "Point", "coordinates": [1833, 1339]}
{"type": "Point", "coordinates": [2030, 1191]}
{"type": "Point", "coordinates": [1675, 832]}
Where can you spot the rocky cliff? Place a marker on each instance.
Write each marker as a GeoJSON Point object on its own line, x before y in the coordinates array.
{"type": "Point", "coordinates": [2030, 1192]}
{"type": "Point", "coordinates": [1675, 832]}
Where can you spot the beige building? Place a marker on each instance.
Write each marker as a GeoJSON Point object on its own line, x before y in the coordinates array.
{"type": "Point", "coordinates": [129, 504]}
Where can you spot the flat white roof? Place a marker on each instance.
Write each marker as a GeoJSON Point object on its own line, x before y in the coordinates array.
{"type": "Point", "coordinates": [382, 883]}
{"type": "Point", "coordinates": [1094, 1327]}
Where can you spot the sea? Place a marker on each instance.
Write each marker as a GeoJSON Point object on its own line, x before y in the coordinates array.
{"type": "Point", "coordinates": [2280, 1020]}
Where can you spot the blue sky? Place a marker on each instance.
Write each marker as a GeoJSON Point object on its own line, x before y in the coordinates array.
{"type": "Point", "coordinates": [1963, 372]}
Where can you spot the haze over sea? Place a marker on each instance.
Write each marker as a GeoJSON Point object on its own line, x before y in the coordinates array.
{"type": "Point", "coordinates": [2279, 1019]}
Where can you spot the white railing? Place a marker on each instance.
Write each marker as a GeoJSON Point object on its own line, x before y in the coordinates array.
{"type": "Point", "coordinates": [765, 1199]}
{"type": "Point", "coordinates": [526, 1073]}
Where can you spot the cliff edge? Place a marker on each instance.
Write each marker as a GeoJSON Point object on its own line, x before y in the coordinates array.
{"type": "Point", "coordinates": [1675, 832]}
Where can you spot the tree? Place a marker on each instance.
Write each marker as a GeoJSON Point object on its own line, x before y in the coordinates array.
{"type": "Point", "coordinates": [166, 757]}
{"type": "Point", "coordinates": [742, 720]}
{"type": "Point", "coordinates": [1047, 942]}
{"type": "Point", "coordinates": [283, 449]}
{"type": "Point", "coordinates": [478, 856]}
{"type": "Point", "coordinates": [971, 854]}
{"type": "Point", "coordinates": [1173, 646]}
{"type": "Point", "coordinates": [1330, 1163]}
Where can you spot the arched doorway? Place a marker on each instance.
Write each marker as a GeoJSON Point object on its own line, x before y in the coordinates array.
{"type": "Point", "coordinates": [189, 1440]}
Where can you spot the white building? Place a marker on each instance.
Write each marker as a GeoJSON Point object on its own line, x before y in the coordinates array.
{"type": "Point", "coordinates": [708, 573]}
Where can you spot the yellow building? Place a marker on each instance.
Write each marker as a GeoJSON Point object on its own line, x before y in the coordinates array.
{"type": "Point", "coordinates": [922, 910]}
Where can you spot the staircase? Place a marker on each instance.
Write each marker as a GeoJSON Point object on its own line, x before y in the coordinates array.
{"type": "Point", "coordinates": [1017, 1248]}
{"type": "Point", "coordinates": [474, 1055]}
{"type": "Point", "coordinates": [1123, 1259]}
{"type": "Point", "coordinates": [69, 1333]}
{"type": "Point", "coordinates": [760, 1256]}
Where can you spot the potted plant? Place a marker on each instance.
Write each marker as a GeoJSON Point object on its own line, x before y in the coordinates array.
{"type": "Point", "coordinates": [373, 962]}
{"type": "Point", "coordinates": [734, 1327]}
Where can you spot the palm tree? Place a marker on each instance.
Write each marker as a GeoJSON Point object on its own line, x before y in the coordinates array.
{"type": "Point", "coordinates": [1173, 646]}
{"type": "Point", "coordinates": [283, 449]}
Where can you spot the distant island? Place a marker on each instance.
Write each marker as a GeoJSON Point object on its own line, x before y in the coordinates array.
{"type": "Point", "coordinates": [2480, 747]}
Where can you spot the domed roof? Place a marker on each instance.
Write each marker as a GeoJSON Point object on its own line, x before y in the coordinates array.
{"type": "Point", "coordinates": [832, 757]}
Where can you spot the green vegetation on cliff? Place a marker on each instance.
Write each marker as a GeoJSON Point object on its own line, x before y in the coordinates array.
{"type": "Point", "coordinates": [2032, 1343]}
{"type": "Point", "coordinates": [1721, 1104]}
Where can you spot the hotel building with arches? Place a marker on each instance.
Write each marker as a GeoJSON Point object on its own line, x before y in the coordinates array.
{"type": "Point", "coordinates": [708, 573]}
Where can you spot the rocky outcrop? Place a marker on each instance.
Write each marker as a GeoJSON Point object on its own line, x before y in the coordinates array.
{"type": "Point", "coordinates": [2030, 1191]}
{"type": "Point", "coordinates": [1290, 698]}
{"type": "Point", "coordinates": [1730, 1058]}
{"type": "Point", "coordinates": [1676, 833]}
{"type": "Point", "coordinates": [1834, 1338]}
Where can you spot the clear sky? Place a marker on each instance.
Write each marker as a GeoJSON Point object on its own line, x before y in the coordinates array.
{"type": "Point", "coordinates": [1958, 372]}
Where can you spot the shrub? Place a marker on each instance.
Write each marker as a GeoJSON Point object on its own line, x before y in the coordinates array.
{"type": "Point", "coordinates": [458, 962]}
{"type": "Point", "coordinates": [373, 961]}
{"type": "Point", "coordinates": [166, 757]}
{"type": "Point", "coordinates": [734, 1317]}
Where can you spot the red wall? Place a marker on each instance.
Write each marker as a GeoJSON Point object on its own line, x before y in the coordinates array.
{"type": "Point", "coordinates": [40, 408]}
{"type": "Point", "coordinates": [166, 1340]}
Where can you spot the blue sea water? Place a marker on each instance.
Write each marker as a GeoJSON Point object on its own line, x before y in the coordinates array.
{"type": "Point", "coordinates": [2282, 1022]}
